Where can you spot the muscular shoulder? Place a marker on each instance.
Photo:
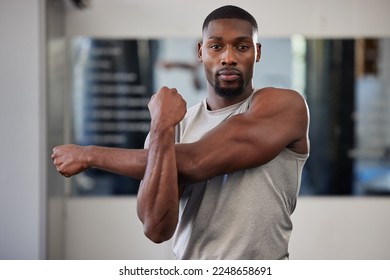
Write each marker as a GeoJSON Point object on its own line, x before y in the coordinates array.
{"type": "Point", "coordinates": [283, 110]}
{"type": "Point", "coordinates": [273, 100]}
{"type": "Point", "coordinates": [277, 95]}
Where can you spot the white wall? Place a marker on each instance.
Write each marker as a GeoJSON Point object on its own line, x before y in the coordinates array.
{"type": "Point", "coordinates": [21, 125]}
{"type": "Point", "coordinates": [277, 18]}
{"type": "Point", "coordinates": [108, 228]}
{"type": "Point", "coordinates": [340, 228]}
{"type": "Point", "coordinates": [324, 228]}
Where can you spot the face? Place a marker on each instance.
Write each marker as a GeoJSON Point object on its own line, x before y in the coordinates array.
{"type": "Point", "coordinates": [229, 52]}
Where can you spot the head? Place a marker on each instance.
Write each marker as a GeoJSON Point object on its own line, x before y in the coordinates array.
{"type": "Point", "coordinates": [229, 50]}
{"type": "Point", "coordinates": [229, 11]}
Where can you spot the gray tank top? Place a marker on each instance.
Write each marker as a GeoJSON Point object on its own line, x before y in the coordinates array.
{"type": "Point", "coordinates": [242, 215]}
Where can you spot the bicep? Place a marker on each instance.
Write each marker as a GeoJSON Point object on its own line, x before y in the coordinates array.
{"type": "Point", "coordinates": [235, 145]}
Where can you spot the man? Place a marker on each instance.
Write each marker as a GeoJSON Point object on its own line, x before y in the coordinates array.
{"type": "Point", "coordinates": [223, 178]}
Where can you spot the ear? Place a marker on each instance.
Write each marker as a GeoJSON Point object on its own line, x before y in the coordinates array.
{"type": "Point", "coordinates": [200, 51]}
{"type": "Point", "coordinates": [258, 48]}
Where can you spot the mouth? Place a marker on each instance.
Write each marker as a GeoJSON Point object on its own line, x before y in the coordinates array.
{"type": "Point", "coordinates": [228, 75]}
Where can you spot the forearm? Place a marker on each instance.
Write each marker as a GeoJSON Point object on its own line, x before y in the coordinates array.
{"type": "Point", "coordinates": [158, 197]}
{"type": "Point", "coordinates": [128, 162]}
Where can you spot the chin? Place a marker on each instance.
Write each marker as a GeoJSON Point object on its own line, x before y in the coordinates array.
{"type": "Point", "coordinates": [229, 92]}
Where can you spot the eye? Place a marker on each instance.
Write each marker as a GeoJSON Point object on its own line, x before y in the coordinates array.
{"type": "Point", "coordinates": [215, 47]}
{"type": "Point", "coordinates": [242, 47]}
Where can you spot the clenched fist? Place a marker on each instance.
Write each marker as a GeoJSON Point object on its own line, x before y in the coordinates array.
{"type": "Point", "coordinates": [167, 108]}
{"type": "Point", "coordinates": [70, 159]}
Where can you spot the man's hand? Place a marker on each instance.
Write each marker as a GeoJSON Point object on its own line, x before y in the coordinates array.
{"type": "Point", "coordinates": [70, 159]}
{"type": "Point", "coordinates": [167, 108]}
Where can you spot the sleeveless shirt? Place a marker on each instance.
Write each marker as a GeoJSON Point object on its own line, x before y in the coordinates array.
{"type": "Point", "coordinates": [242, 215]}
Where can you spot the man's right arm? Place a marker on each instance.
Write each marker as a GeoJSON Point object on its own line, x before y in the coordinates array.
{"type": "Point", "coordinates": [276, 119]}
{"type": "Point", "coordinates": [72, 159]}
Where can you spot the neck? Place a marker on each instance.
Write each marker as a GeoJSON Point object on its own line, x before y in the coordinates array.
{"type": "Point", "coordinates": [215, 102]}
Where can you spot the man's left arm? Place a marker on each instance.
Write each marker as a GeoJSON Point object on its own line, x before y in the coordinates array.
{"type": "Point", "coordinates": [158, 196]}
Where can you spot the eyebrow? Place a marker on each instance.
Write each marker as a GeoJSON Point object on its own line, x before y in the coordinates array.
{"type": "Point", "coordinates": [220, 38]}
{"type": "Point", "coordinates": [217, 38]}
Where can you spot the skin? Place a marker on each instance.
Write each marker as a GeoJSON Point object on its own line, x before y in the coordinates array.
{"type": "Point", "coordinates": [158, 196]}
{"type": "Point", "coordinates": [276, 119]}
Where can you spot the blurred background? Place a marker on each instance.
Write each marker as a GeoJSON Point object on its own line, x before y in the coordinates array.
{"type": "Point", "coordinates": [82, 72]}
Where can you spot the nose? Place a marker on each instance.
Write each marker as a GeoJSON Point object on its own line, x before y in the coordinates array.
{"type": "Point", "coordinates": [229, 57]}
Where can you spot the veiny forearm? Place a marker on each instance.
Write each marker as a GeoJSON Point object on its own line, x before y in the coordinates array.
{"type": "Point", "coordinates": [158, 197]}
{"type": "Point", "coordinates": [128, 162]}
{"type": "Point", "coordinates": [132, 162]}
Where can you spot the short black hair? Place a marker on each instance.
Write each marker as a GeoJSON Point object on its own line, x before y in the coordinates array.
{"type": "Point", "coordinates": [230, 11]}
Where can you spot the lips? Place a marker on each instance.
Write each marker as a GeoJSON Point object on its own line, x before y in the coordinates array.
{"type": "Point", "coordinates": [229, 75]}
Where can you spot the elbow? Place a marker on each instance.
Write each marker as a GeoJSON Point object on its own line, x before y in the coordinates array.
{"type": "Point", "coordinates": [192, 171]}
{"type": "Point", "coordinates": [190, 165]}
{"type": "Point", "coordinates": [158, 228]}
{"type": "Point", "coordinates": [156, 238]}
{"type": "Point", "coordinates": [157, 235]}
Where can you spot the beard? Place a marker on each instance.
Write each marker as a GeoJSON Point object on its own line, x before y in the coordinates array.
{"type": "Point", "coordinates": [229, 92]}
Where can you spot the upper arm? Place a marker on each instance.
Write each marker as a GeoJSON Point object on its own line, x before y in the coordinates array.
{"type": "Point", "coordinates": [275, 120]}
